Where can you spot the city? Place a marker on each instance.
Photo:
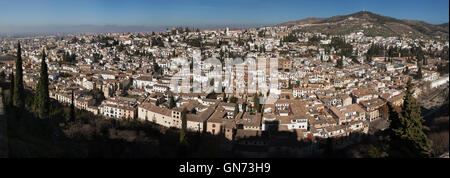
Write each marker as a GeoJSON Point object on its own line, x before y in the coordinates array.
{"type": "Point", "coordinates": [318, 87]}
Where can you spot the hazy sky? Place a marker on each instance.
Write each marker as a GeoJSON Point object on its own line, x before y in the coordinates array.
{"type": "Point", "coordinates": [209, 12]}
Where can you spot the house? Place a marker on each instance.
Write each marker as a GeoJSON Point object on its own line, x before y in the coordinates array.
{"type": "Point", "coordinates": [84, 102]}
{"type": "Point", "coordinates": [143, 81]}
{"type": "Point", "coordinates": [158, 115]}
{"type": "Point", "coordinates": [372, 108]}
{"type": "Point", "coordinates": [363, 94]}
{"type": "Point", "coordinates": [348, 113]}
{"type": "Point", "coordinates": [118, 108]}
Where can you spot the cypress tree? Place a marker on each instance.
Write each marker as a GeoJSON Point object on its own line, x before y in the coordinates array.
{"type": "Point", "coordinates": [224, 97]}
{"type": "Point", "coordinates": [395, 124]}
{"type": "Point", "coordinates": [340, 63]}
{"type": "Point", "coordinates": [257, 106]}
{"type": "Point", "coordinates": [72, 109]}
{"type": "Point", "coordinates": [171, 102]}
{"type": "Point", "coordinates": [183, 137]}
{"type": "Point", "coordinates": [419, 71]}
{"type": "Point", "coordinates": [43, 96]}
{"type": "Point", "coordinates": [406, 131]}
{"type": "Point", "coordinates": [406, 71]}
{"type": "Point", "coordinates": [36, 101]}
{"type": "Point", "coordinates": [11, 89]}
{"type": "Point", "coordinates": [18, 93]}
{"type": "Point", "coordinates": [236, 111]}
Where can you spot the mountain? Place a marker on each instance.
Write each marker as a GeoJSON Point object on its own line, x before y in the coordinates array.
{"type": "Point", "coordinates": [371, 24]}
{"type": "Point", "coordinates": [444, 25]}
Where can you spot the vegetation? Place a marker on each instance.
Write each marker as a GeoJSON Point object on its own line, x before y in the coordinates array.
{"type": "Point", "coordinates": [97, 57]}
{"type": "Point", "coordinates": [233, 99]}
{"type": "Point", "coordinates": [211, 95]}
{"type": "Point", "coordinates": [419, 71]}
{"type": "Point", "coordinates": [340, 63]}
{"type": "Point", "coordinates": [93, 136]}
{"type": "Point", "coordinates": [236, 111]}
{"type": "Point", "coordinates": [42, 98]}
{"type": "Point", "coordinates": [19, 98]}
{"type": "Point", "coordinates": [257, 106]}
{"type": "Point", "coordinates": [171, 102]}
{"type": "Point", "coordinates": [69, 58]}
{"type": "Point", "coordinates": [97, 94]}
{"type": "Point", "coordinates": [65, 75]}
{"type": "Point", "coordinates": [72, 109]}
{"type": "Point", "coordinates": [443, 69]}
{"type": "Point", "coordinates": [157, 42]}
{"type": "Point", "coordinates": [342, 48]}
{"type": "Point", "coordinates": [406, 130]}
{"type": "Point", "coordinates": [290, 38]}
{"type": "Point", "coordinates": [183, 138]}
{"type": "Point", "coordinates": [195, 42]}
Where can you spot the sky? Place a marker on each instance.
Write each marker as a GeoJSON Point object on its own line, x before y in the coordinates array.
{"type": "Point", "coordinates": [206, 12]}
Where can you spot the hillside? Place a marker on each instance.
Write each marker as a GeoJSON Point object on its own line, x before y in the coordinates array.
{"type": "Point", "coordinates": [372, 25]}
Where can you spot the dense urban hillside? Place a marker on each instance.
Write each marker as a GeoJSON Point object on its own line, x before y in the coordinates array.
{"type": "Point", "coordinates": [372, 25]}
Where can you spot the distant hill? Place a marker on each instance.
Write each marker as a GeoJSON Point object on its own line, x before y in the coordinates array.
{"type": "Point", "coordinates": [444, 25]}
{"type": "Point", "coordinates": [371, 24]}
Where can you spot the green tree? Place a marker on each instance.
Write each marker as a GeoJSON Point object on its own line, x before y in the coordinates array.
{"type": "Point", "coordinates": [72, 109]}
{"type": "Point", "coordinates": [43, 97]}
{"type": "Point", "coordinates": [11, 89]}
{"type": "Point", "coordinates": [406, 131]}
{"type": "Point", "coordinates": [183, 137]}
{"type": "Point", "coordinates": [19, 97]}
{"type": "Point", "coordinates": [211, 95]}
{"type": "Point", "coordinates": [171, 102]}
{"type": "Point", "coordinates": [340, 63]}
{"type": "Point", "coordinates": [224, 97]}
{"type": "Point", "coordinates": [406, 71]}
{"type": "Point", "coordinates": [374, 152]}
{"type": "Point", "coordinates": [233, 99]}
{"type": "Point", "coordinates": [419, 71]}
{"type": "Point", "coordinates": [256, 106]}
{"type": "Point", "coordinates": [236, 110]}
{"type": "Point", "coordinates": [290, 38]}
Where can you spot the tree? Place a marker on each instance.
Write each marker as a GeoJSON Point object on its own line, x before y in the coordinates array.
{"type": "Point", "coordinates": [72, 110]}
{"type": "Point", "coordinates": [211, 95]}
{"type": "Point", "coordinates": [419, 71]}
{"type": "Point", "coordinates": [171, 102]}
{"type": "Point", "coordinates": [224, 97]}
{"type": "Point", "coordinates": [233, 99]}
{"type": "Point", "coordinates": [11, 89]}
{"type": "Point", "coordinates": [43, 98]}
{"type": "Point", "coordinates": [354, 60]}
{"type": "Point", "coordinates": [406, 130]}
{"type": "Point", "coordinates": [343, 48]}
{"type": "Point", "coordinates": [374, 152]}
{"type": "Point", "coordinates": [156, 67]}
{"type": "Point", "coordinates": [19, 97]}
{"type": "Point", "coordinates": [290, 38]}
{"type": "Point", "coordinates": [256, 106]}
{"type": "Point", "coordinates": [236, 110]}
{"type": "Point", "coordinates": [340, 63]}
{"type": "Point", "coordinates": [406, 71]}
{"type": "Point", "coordinates": [183, 137]}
